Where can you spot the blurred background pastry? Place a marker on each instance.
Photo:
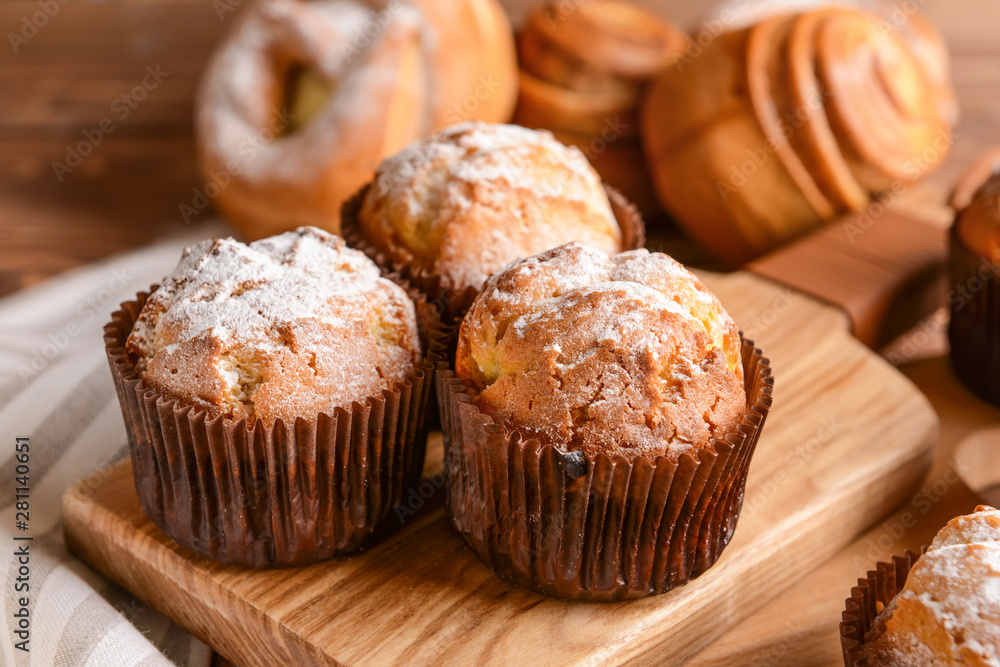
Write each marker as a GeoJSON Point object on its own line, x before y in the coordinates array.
{"type": "Point", "coordinates": [905, 18]}
{"type": "Point", "coordinates": [583, 71]}
{"type": "Point", "coordinates": [772, 129]}
{"type": "Point", "coordinates": [301, 100]}
{"type": "Point", "coordinates": [974, 265]}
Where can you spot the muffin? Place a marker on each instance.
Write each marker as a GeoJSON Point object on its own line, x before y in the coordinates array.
{"type": "Point", "coordinates": [274, 395]}
{"type": "Point", "coordinates": [449, 211]}
{"type": "Point", "coordinates": [948, 610]}
{"type": "Point", "coordinates": [599, 423]}
{"type": "Point", "coordinates": [974, 330]}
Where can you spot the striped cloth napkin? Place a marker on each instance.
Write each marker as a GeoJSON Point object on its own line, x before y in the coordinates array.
{"type": "Point", "coordinates": [55, 389]}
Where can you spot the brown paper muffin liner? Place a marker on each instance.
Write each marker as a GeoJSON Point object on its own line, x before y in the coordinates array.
{"type": "Point", "coordinates": [291, 494]}
{"type": "Point", "coordinates": [868, 599]}
{"type": "Point", "coordinates": [974, 330]}
{"type": "Point", "coordinates": [453, 304]}
{"type": "Point", "coordinates": [595, 528]}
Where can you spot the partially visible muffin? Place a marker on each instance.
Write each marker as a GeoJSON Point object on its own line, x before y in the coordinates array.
{"type": "Point", "coordinates": [628, 354]}
{"type": "Point", "coordinates": [467, 201]}
{"type": "Point", "coordinates": [974, 254]}
{"type": "Point", "coordinates": [948, 613]}
{"type": "Point", "coordinates": [289, 326]}
{"type": "Point", "coordinates": [977, 223]}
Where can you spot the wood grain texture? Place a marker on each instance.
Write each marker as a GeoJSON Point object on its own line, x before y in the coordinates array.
{"type": "Point", "coordinates": [801, 626]}
{"type": "Point", "coordinates": [845, 442]}
{"type": "Point", "coordinates": [884, 268]}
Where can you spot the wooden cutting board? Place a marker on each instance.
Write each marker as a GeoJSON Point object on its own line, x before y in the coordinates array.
{"type": "Point", "coordinates": [847, 440]}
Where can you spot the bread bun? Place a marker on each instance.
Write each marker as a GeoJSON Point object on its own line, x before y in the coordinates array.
{"type": "Point", "coordinates": [628, 354]}
{"type": "Point", "coordinates": [302, 100]}
{"type": "Point", "coordinates": [467, 201]}
{"type": "Point", "coordinates": [583, 71]}
{"type": "Point", "coordinates": [289, 326]}
{"type": "Point", "coordinates": [948, 613]}
{"type": "Point", "coordinates": [797, 119]}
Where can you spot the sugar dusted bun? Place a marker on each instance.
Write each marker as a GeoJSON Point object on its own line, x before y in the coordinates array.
{"type": "Point", "coordinates": [289, 326]}
{"type": "Point", "coordinates": [948, 613]}
{"type": "Point", "coordinates": [466, 202]}
{"type": "Point", "coordinates": [628, 354]}
{"type": "Point", "coordinates": [303, 99]}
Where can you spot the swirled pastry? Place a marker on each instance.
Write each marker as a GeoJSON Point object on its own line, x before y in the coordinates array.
{"type": "Point", "coordinates": [774, 128]}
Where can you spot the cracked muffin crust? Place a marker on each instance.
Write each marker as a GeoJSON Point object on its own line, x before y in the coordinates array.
{"type": "Point", "coordinates": [948, 613]}
{"type": "Point", "coordinates": [288, 326]}
{"type": "Point", "coordinates": [628, 354]}
{"type": "Point", "coordinates": [469, 200]}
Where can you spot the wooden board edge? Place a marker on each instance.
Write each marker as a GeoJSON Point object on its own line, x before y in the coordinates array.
{"type": "Point", "coordinates": [219, 630]}
{"type": "Point", "coordinates": [217, 624]}
{"type": "Point", "coordinates": [869, 510]}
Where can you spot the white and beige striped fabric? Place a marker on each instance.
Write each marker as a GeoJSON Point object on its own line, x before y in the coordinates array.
{"type": "Point", "coordinates": [55, 388]}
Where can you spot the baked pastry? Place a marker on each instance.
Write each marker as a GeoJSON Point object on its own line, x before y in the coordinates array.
{"type": "Point", "coordinates": [274, 396]}
{"type": "Point", "coordinates": [286, 327]}
{"type": "Point", "coordinates": [790, 122]}
{"type": "Point", "coordinates": [927, 43]}
{"type": "Point", "coordinates": [948, 611]}
{"type": "Point", "coordinates": [599, 423]}
{"type": "Point", "coordinates": [628, 354]}
{"type": "Point", "coordinates": [302, 99]}
{"type": "Point", "coordinates": [583, 72]}
{"type": "Point", "coordinates": [974, 255]}
{"type": "Point", "coordinates": [452, 209]}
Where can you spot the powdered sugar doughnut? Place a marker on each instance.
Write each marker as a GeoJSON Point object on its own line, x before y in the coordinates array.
{"type": "Point", "coordinates": [303, 99]}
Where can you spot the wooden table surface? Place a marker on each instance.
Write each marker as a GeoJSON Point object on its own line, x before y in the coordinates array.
{"type": "Point", "coordinates": [63, 79]}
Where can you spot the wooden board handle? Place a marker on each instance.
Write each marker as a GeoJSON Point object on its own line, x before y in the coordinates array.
{"type": "Point", "coordinates": [886, 271]}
